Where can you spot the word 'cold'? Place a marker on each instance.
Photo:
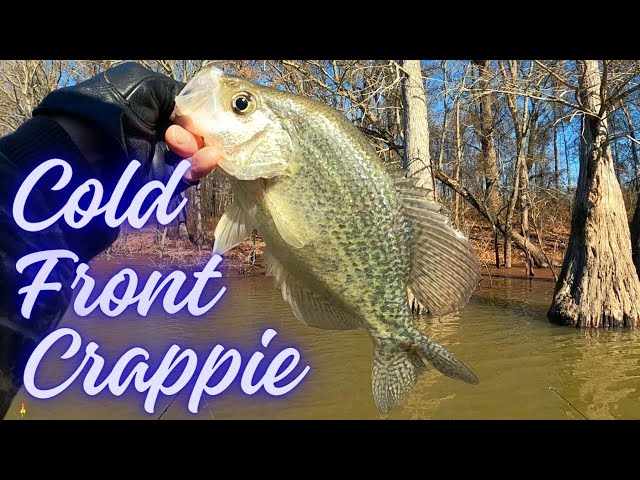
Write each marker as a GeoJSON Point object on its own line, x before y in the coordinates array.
{"type": "Point", "coordinates": [135, 217]}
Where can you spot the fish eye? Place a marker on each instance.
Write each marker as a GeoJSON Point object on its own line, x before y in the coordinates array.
{"type": "Point", "coordinates": [243, 103]}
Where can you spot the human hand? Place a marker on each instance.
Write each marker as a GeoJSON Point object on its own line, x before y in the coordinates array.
{"type": "Point", "coordinates": [129, 106]}
{"type": "Point", "coordinates": [184, 144]}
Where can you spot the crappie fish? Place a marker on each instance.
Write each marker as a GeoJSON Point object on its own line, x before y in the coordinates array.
{"type": "Point", "coordinates": [345, 238]}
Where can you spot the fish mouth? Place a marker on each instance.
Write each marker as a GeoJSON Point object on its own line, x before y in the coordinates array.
{"type": "Point", "coordinates": [202, 88]}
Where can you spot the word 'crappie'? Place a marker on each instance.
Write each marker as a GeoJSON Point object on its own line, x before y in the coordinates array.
{"type": "Point", "coordinates": [345, 237]}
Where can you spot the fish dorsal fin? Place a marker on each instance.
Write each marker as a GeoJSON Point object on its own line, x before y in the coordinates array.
{"type": "Point", "coordinates": [231, 230]}
{"type": "Point", "coordinates": [308, 307]}
{"type": "Point", "coordinates": [289, 222]}
{"type": "Point", "coordinates": [444, 267]}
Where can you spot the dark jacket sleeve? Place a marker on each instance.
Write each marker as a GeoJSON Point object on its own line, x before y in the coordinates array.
{"type": "Point", "coordinates": [36, 141]}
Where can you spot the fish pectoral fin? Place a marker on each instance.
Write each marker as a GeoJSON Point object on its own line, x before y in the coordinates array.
{"type": "Point", "coordinates": [308, 307]}
{"type": "Point", "coordinates": [231, 230]}
{"type": "Point", "coordinates": [444, 268]}
{"type": "Point", "coordinates": [288, 220]}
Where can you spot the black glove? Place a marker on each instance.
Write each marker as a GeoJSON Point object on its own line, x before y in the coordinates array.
{"type": "Point", "coordinates": [98, 126]}
{"type": "Point", "coordinates": [127, 106]}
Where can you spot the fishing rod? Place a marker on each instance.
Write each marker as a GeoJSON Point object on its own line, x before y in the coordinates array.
{"type": "Point", "coordinates": [174, 399]}
{"type": "Point", "coordinates": [569, 403]}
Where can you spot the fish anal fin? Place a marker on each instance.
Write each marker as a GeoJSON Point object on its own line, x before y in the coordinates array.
{"type": "Point", "coordinates": [308, 307]}
{"type": "Point", "coordinates": [231, 230]}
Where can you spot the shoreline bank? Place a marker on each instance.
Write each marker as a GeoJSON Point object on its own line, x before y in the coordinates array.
{"type": "Point", "coordinates": [519, 272]}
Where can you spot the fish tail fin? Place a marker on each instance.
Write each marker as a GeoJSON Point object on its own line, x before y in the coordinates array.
{"type": "Point", "coordinates": [395, 372]}
{"type": "Point", "coordinates": [396, 369]}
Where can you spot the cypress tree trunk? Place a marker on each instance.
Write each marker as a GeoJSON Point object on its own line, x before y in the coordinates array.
{"type": "Point", "coordinates": [598, 285]}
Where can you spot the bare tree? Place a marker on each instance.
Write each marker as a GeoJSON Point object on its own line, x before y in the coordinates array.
{"type": "Point", "coordinates": [445, 118]}
{"type": "Point", "coordinates": [24, 83]}
{"type": "Point", "coordinates": [417, 158]}
{"type": "Point", "coordinates": [635, 222]}
{"type": "Point", "coordinates": [524, 127]}
{"type": "Point", "coordinates": [633, 144]}
{"type": "Point", "coordinates": [598, 285]}
{"type": "Point", "coordinates": [458, 165]}
{"type": "Point", "coordinates": [556, 169]}
{"type": "Point", "coordinates": [472, 199]}
{"type": "Point", "coordinates": [416, 126]}
{"type": "Point", "coordinates": [488, 150]}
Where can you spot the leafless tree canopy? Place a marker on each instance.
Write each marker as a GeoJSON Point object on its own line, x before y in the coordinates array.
{"type": "Point", "coordinates": [506, 139]}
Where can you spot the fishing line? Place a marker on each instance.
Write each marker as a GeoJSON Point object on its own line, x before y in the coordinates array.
{"type": "Point", "coordinates": [207, 403]}
{"type": "Point", "coordinates": [165, 410]}
{"type": "Point", "coordinates": [569, 403]}
{"type": "Point", "coordinates": [174, 399]}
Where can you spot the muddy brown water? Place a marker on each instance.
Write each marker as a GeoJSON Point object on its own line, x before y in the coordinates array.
{"type": "Point", "coordinates": [502, 334]}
